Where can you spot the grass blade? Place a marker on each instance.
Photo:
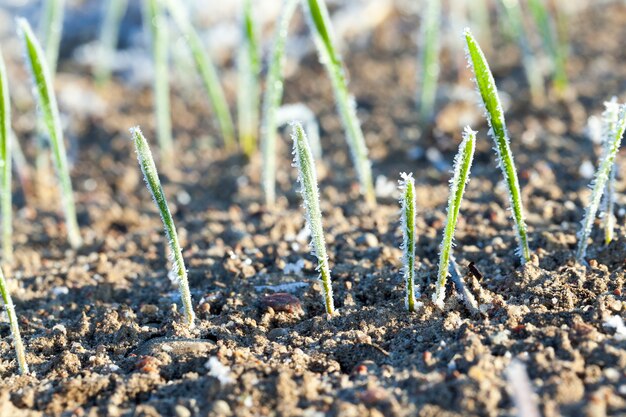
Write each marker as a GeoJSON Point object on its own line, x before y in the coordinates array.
{"type": "Point", "coordinates": [272, 99]}
{"type": "Point", "coordinates": [462, 165]}
{"type": "Point", "coordinates": [495, 117]}
{"type": "Point", "coordinates": [515, 21]}
{"type": "Point", "coordinates": [48, 105]}
{"type": "Point", "coordinates": [207, 71]}
{"type": "Point", "coordinates": [6, 205]}
{"type": "Point", "coordinates": [407, 223]}
{"type": "Point", "coordinates": [603, 173]}
{"type": "Point", "coordinates": [15, 330]}
{"type": "Point", "coordinates": [609, 124]}
{"type": "Point", "coordinates": [430, 59]}
{"type": "Point", "coordinates": [109, 32]}
{"type": "Point", "coordinates": [551, 43]}
{"type": "Point", "coordinates": [319, 22]}
{"type": "Point", "coordinates": [153, 183]}
{"type": "Point", "coordinates": [248, 66]}
{"type": "Point", "coordinates": [307, 177]}
{"type": "Point", "coordinates": [51, 30]}
{"type": "Point", "coordinates": [155, 20]}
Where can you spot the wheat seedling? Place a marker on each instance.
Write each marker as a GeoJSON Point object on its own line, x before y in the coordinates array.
{"type": "Point", "coordinates": [495, 117]}
{"type": "Point", "coordinates": [271, 100]}
{"type": "Point", "coordinates": [430, 36]}
{"type": "Point", "coordinates": [6, 207]}
{"type": "Point", "coordinates": [407, 223]}
{"type": "Point", "coordinates": [153, 183]}
{"type": "Point", "coordinates": [300, 111]}
{"type": "Point", "coordinates": [51, 29]}
{"type": "Point", "coordinates": [307, 177]}
{"type": "Point", "coordinates": [609, 123]}
{"type": "Point", "coordinates": [154, 19]}
{"type": "Point", "coordinates": [462, 165]}
{"type": "Point", "coordinates": [515, 21]}
{"type": "Point", "coordinates": [50, 111]}
{"type": "Point", "coordinates": [248, 68]}
{"type": "Point", "coordinates": [207, 71]}
{"type": "Point", "coordinates": [15, 330]}
{"type": "Point", "coordinates": [319, 22]}
{"type": "Point", "coordinates": [614, 133]}
{"type": "Point", "coordinates": [551, 42]}
{"type": "Point", "coordinates": [109, 31]}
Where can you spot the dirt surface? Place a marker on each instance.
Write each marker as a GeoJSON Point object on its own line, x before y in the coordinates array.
{"type": "Point", "coordinates": [102, 324]}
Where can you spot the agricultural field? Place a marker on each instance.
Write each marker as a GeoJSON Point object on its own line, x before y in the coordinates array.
{"type": "Point", "coordinates": [312, 208]}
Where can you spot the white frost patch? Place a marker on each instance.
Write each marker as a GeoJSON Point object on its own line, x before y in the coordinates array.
{"type": "Point", "coordinates": [294, 268]}
{"type": "Point", "coordinates": [384, 187]}
{"type": "Point", "coordinates": [586, 169]}
{"type": "Point", "coordinates": [60, 290]}
{"type": "Point", "coordinates": [219, 371]}
{"type": "Point", "coordinates": [617, 323]}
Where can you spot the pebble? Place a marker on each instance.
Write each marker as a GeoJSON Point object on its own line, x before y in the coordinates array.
{"type": "Point", "coordinates": [368, 239]}
{"type": "Point", "coordinates": [182, 411]}
{"type": "Point", "coordinates": [221, 408]}
{"type": "Point", "coordinates": [282, 301]}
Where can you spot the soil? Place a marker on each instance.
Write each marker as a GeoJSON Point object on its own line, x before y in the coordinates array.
{"type": "Point", "coordinates": [102, 325]}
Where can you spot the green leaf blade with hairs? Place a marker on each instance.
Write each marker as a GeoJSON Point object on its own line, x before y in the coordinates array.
{"type": "Point", "coordinates": [151, 176]}
{"type": "Point", "coordinates": [248, 69]}
{"type": "Point", "coordinates": [6, 205]}
{"type": "Point", "coordinates": [271, 101]}
{"type": "Point", "coordinates": [601, 178]}
{"type": "Point", "coordinates": [319, 22]}
{"type": "Point", "coordinates": [208, 72]}
{"type": "Point", "coordinates": [15, 329]}
{"type": "Point", "coordinates": [155, 20]}
{"type": "Point", "coordinates": [430, 36]}
{"type": "Point", "coordinates": [50, 111]}
{"type": "Point", "coordinates": [407, 223]}
{"type": "Point", "coordinates": [51, 31]}
{"type": "Point", "coordinates": [109, 33]}
{"type": "Point", "coordinates": [495, 117]}
{"type": "Point", "coordinates": [462, 166]}
{"type": "Point", "coordinates": [307, 177]}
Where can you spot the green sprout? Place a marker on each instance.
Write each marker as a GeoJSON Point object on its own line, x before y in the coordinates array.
{"type": "Point", "coordinates": [430, 35]}
{"type": "Point", "coordinates": [407, 223]}
{"type": "Point", "coordinates": [50, 111]}
{"type": "Point", "coordinates": [153, 183]}
{"type": "Point", "coordinates": [207, 71]}
{"type": "Point", "coordinates": [515, 21]}
{"type": "Point", "coordinates": [551, 42]}
{"type": "Point", "coordinates": [609, 123]}
{"type": "Point", "coordinates": [51, 29]}
{"type": "Point", "coordinates": [614, 133]}
{"type": "Point", "coordinates": [271, 101]}
{"type": "Point", "coordinates": [307, 177]}
{"type": "Point", "coordinates": [248, 66]}
{"type": "Point", "coordinates": [6, 207]}
{"type": "Point", "coordinates": [154, 18]}
{"type": "Point", "coordinates": [15, 330]}
{"type": "Point", "coordinates": [109, 31]}
{"type": "Point", "coordinates": [495, 117]}
{"type": "Point", "coordinates": [319, 22]}
{"type": "Point", "coordinates": [462, 165]}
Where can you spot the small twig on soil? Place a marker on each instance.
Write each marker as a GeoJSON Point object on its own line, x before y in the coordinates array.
{"type": "Point", "coordinates": [468, 298]}
{"type": "Point", "coordinates": [521, 390]}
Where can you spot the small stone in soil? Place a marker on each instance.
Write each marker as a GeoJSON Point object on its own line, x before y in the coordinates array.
{"type": "Point", "coordinates": [281, 301]}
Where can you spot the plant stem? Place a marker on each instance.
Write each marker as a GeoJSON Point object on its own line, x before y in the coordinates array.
{"type": "Point", "coordinates": [48, 104]}
{"type": "Point", "coordinates": [319, 22]}
{"type": "Point", "coordinates": [109, 31]}
{"type": "Point", "coordinates": [207, 71]}
{"type": "Point", "coordinates": [495, 117]}
{"type": "Point", "coordinates": [248, 94]}
{"type": "Point", "coordinates": [6, 206]}
{"type": "Point", "coordinates": [15, 330]}
{"type": "Point", "coordinates": [307, 177]}
{"type": "Point", "coordinates": [271, 101]}
{"type": "Point", "coordinates": [407, 203]}
{"type": "Point", "coordinates": [151, 176]}
{"type": "Point", "coordinates": [462, 165]}
{"type": "Point", "coordinates": [430, 59]}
